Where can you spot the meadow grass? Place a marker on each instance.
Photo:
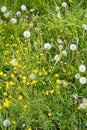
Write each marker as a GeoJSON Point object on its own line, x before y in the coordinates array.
{"type": "Point", "coordinates": [43, 61]}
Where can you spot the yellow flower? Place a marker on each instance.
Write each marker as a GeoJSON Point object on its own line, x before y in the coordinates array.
{"type": "Point", "coordinates": [5, 94]}
{"type": "Point", "coordinates": [78, 107]}
{"type": "Point", "coordinates": [56, 75]}
{"type": "Point", "coordinates": [29, 128]}
{"type": "Point", "coordinates": [49, 114]}
{"type": "Point", "coordinates": [1, 73]}
{"type": "Point", "coordinates": [0, 107]}
{"type": "Point", "coordinates": [34, 82]}
{"type": "Point", "coordinates": [70, 1]}
{"type": "Point", "coordinates": [12, 75]}
{"type": "Point", "coordinates": [6, 103]}
{"type": "Point", "coordinates": [47, 92]}
{"type": "Point", "coordinates": [14, 123]}
{"type": "Point", "coordinates": [35, 71]}
{"type": "Point", "coordinates": [58, 81]}
{"type": "Point", "coordinates": [25, 107]}
{"type": "Point", "coordinates": [52, 91]}
{"type": "Point", "coordinates": [20, 97]}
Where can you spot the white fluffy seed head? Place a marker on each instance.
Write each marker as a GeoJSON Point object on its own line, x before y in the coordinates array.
{"type": "Point", "coordinates": [18, 13]}
{"type": "Point", "coordinates": [6, 15]}
{"type": "Point", "coordinates": [82, 68]}
{"type": "Point", "coordinates": [47, 46]}
{"type": "Point", "coordinates": [73, 47]}
{"type": "Point", "coordinates": [82, 106]}
{"type": "Point", "coordinates": [6, 123]}
{"type": "Point", "coordinates": [84, 26]}
{"type": "Point", "coordinates": [56, 58]}
{"type": "Point", "coordinates": [14, 62]}
{"type": "Point", "coordinates": [26, 34]}
{"type": "Point", "coordinates": [77, 76]}
{"type": "Point", "coordinates": [64, 4]}
{"type": "Point", "coordinates": [82, 80]}
{"type": "Point", "coordinates": [23, 7]}
{"type": "Point", "coordinates": [3, 9]}
{"type": "Point", "coordinates": [64, 53]}
{"type": "Point", "coordinates": [13, 20]}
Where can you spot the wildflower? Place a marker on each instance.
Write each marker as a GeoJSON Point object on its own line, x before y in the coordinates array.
{"type": "Point", "coordinates": [32, 10]}
{"type": "Point", "coordinates": [0, 107]}
{"type": "Point", "coordinates": [70, 1]}
{"type": "Point", "coordinates": [14, 123]}
{"type": "Point", "coordinates": [57, 8]}
{"type": "Point", "coordinates": [56, 75]}
{"type": "Point", "coordinates": [84, 26]}
{"type": "Point", "coordinates": [59, 41]}
{"type": "Point", "coordinates": [14, 62]}
{"type": "Point", "coordinates": [6, 123]}
{"type": "Point", "coordinates": [58, 81]}
{"type": "Point", "coordinates": [25, 107]}
{"type": "Point", "coordinates": [18, 13]}
{"type": "Point", "coordinates": [64, 4]}
{"type": "Point", "coordinates": [52, 91]}
{"type": "Point", "coordinates": [6, 15]}
{"type": "Point", "coordinates": [47, 46]}
{"type": "Point", "coordinates": [29, 128]}
{"type": "Point", "coordinates": [32, 76]}
{"type": "Point", "coordinates": [49, 114]}
{"type": "Point", "coordinates": [82, 68]}
{"type": "Point", "coordinates": [23, 125]}
{"type": "Point", "coordinates": [6, 103]}
{"type": "Point", "coordinates": [5, 94]}
{"type": "Point", "coordinates": [85, 100]}
{"type": "Point", "coordinates": [56, 58]}
{"type": "Point", "coordinates": [77, 76]}
{"type": "Point", "coordinates": [59, 15]}
{"type": "Point", "coordinates": [82, 105]}
{"type": "Point", "coordinates": [47, 92]}
{"type": "Point", "coordinates": [82, 80]}
{"type": "Point", "coordinates": [20, 97]}
{"type": "Point", "coordinates": [3, 9]}
{"type": "Point", "coordinates": [13, 20]}
{"type": "Point", "coordinates": [73, 47]}
{"type": "Point", "coordinates": [23, 7]}
{"type": "Point", "coordinates": [26, 34]}
{"type": "Point", "coordinates": [75, 96]}
{"type": "Point", "coordinates": [64, 53]}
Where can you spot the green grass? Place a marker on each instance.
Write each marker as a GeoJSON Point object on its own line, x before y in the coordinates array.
{"type": "Point", "coordinates": [38, 93]}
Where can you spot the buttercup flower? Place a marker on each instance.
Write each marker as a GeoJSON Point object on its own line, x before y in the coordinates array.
{"type": "Point", "coordinates": [26, 34]}
{"type": "Point", "coordinates": [64, 4]}
{"type": "Point", "coordinates": [23, 7]}
{"type": "Point", "coordinates": [73, 47]}
{"type": "Point", "coordinates": [13, 20]}
{"type": "Point", "coordinates": [3, 9]}
{"type": "Point", "coordinates": [47, 46]}
{"type": "Point", "coordinates": [82, 80]}
{"type": "Point", "coordinates": [6, 123]}
{"type": "Point", "coordinates": [82, 68]}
